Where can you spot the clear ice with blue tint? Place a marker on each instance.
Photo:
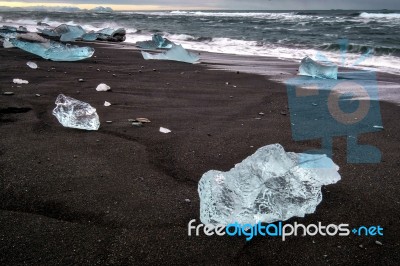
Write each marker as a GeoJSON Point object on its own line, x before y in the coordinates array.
{"type": "Point", "coordinates": [176, 53]}
{"type": "Point", "coordinates": [309, 67]}
{"type": "Point", "coordinates": [270, 185]}
{"type": "Point", "coordinates": [54, 51]}
{"type": "Point", "coordinates": [75, 114]}
{"type": "Point", "coordinates": [157, 42]}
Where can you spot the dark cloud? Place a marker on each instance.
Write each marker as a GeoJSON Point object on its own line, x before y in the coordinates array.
{"type": "Point", "coordinates": [253, 4]}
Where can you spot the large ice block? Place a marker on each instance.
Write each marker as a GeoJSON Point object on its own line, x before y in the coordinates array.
{"type": "Point", "coordinates": [53, 50]}
{"type": "Point", "coordinates": [309, 67]}
{"type": "Point", "coordinates": [67, 33]}
{"type": "Point", "coordinates": [76, 114]}
{"type": "Point", "coordinates": [176, 53]}
{"type": "Point", "coordinates": [157, 42]}
{"type": "Point", "coordinates": [270, 185]}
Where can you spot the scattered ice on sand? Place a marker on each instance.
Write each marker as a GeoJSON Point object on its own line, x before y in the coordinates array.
{"type": "Point", "coordinates": [165, 130]}
{"type": "Point", "coordinates": [20, 81]}
{"type": "Point", "coordinates": [103, 87]}
{"type": "Point", "coordinates": [270, 185]}
{"type": "Point", "coordinates": [32, 65]}
{"type": "Point", "coordinates": [76, 114]}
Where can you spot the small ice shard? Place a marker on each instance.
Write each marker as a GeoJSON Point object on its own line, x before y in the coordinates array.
{"type": "Point", "coordinates": [309, 67]}
{"type": "Point", "coordinates": [379, 127]}
{"type": "Point", "coordinates": [32, 65]}
{"type": "Point", "coordinates": [176, 53]}
{"type": "Point", "coordinates": [7, 44]}
{"type": "Point", "coordinates": [76, 114]}
{"type": "Point", "coordinates": [53, 50]}
{"type": "Point", "coordinates": [165, 130]}
{"type": "Point", "coordinates": [103, 87]}
{"type": "Point", "coordinates": [270, 185]}
{"type": "Point", "coordinates": [107, 103]}
{"type": "Point", "coordinates": [20, 81]}
{"type": "Point", "coordinates": [111, 35]}
{"type": "Point", "coordinates": [157, 42]}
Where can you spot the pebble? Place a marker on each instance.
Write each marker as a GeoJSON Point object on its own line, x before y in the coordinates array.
{"type": "Point", "coordinates": [97, 69]}
{"type": "Point", "coordinates": [8, 93]}
{"type": "Point", "coordinates": [378, 243]}
{"type": "Point", "coordinates": [75, 156]}
{"type": "Point", "coordinates": [37, 95]}
{"type": "Point", "coordinates": [154, 69]}
{"type": "Point", "coordinates": [131, 120]}
{"type": "Point", "coordinates": [257, 118]}
{"type": "Point", "coordinates": [187, 200]}
{"type": "Point", "coordinates": [361, 246]}
{"type": "Point", "coordinates": [114, 75]}
{"type": "Point", "coordinates": [109, 122]}
{"type": "Point", "coordinates": [283, 113]}
{"type": "Point", "coordinates": [80, 80]}
{"type": "Point", "coordinates": [261, 113]}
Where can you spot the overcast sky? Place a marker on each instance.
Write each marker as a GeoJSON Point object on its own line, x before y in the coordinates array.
{"type": "Point", "coordinates": [225, 4]}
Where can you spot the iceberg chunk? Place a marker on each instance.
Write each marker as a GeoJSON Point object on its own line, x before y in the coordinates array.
{"type": "Point", "coordinates": [76, 114]}
{"type": "Point", "coordinates": [20, 81]}
{"type": "Point", "coordinates": [176, 53]}
{"type": "Point", "coordinates": [309, 67]}
{"type": "Point", "coordinates": [111, 35]}
{"type": "Point", "coordinates": [32, 65]}
{"type": "Point", "coordinates": [157, 42]}
{"type": "Point", "coordinates": [67, 33]}
{"type": "Point", "coordinates": [53, 50]}
{"type": "Point", "coordinates": [270, 185]}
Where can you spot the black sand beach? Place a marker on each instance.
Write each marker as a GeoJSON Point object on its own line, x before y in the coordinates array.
{"type": "Point", "coordinates": [117, 195]}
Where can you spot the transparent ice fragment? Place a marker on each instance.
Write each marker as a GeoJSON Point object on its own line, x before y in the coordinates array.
{"type": "Point", "coordinates": [164, 130]}
{"type": "Point", "coordinates": [309, 67]}
{"type": "Point", "coordinates": [103, 87]}
{"type": "Point", "coordinates": [107, 103]}
{"type": "Point", "coordinates": [31, 37]}
{"type": "Point", "coordinates": [270, 185]}
{"type": "Point", "coordinates": [53, 50]}
{"type": "Point", "coordinates": [75, 114]}
{"type": "Point", "coordinates": [176, 53]}
{"type": "Point", "coordinates": [7, 44]}
{"type": "Point", "coordinates": [157, 42]}
{"type": "Point", "coordinates": [20, 81]}
{"type": "Point", "coordinates": [32, 65]}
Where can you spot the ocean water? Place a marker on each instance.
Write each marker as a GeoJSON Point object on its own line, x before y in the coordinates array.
{"type": "Point", "coordinates": [289, 35]}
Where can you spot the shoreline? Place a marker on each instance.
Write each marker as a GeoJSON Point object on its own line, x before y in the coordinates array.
{"type": "Point", "coordinates": [117, 195]}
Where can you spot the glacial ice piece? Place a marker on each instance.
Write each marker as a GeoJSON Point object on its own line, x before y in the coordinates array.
{"type": "Point", "coordinates": [90, 37]}
{"type": "Point", "coordinates": [7, 44]}
{"type": "Point", "coordinates": [53, 50]}
{"type": "Point", "coordinates": [164, 130]}
{"type": "Point", "coordinates": [67, 33]}
{"type": "Point", "coordinates": [176, 53]}
{"type": "Point", "coordinates": [309, 67]}
{"type": "Point", "coordinates": [32, 65]}
{"type": "Point", "coordinates": [157, 42]}
{"type": "Point", "coordinates": [103, 87]}
{"type": "Point", "coordinates": [20, 81]}
{"type": "Point", "coordinates": [75, 114]}
{"type": "Point", "coordinates": [107, 104]}
{"type": "Point", "coordinates": [270, 185]}
{"type": "Point", "coordinates": [112, 35]}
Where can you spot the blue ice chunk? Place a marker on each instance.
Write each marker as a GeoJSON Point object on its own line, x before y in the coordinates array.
{"type": "Point", "coordinates": [76, 114]}
{"type": "Point", "coordinates": [67, 33]}
{"type": "Point", "coordinates": [54, 51]}
{"type": "Point", "coordinates": [74, 33]}
{"type": "Point", "coordinates": [270, 185]}
{"type": "Point", "coordinates": [91, 36]}
{"type": "Point", "coordinates": [176, 53]}
{"type": "Point", "coordinates": [157, 42]}
{"type": "Point", "coordinates": [309, 67]}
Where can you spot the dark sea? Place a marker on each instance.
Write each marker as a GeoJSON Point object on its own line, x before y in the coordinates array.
{"type": "Point", "coordinates": [373, 36]}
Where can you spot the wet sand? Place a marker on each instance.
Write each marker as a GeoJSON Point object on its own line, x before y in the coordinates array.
{"type": "Point", "coordinates": [118, 195]}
